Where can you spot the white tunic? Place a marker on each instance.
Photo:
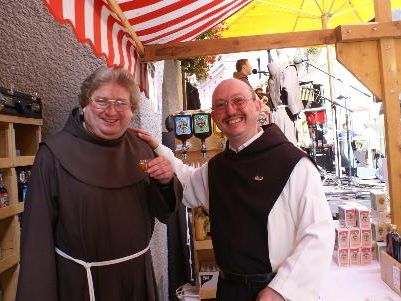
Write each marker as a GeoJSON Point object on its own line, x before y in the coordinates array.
{"type": "Point", "coordinates": [300, 226]}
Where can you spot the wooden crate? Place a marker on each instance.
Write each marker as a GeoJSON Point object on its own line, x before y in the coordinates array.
{"type": "Point", "coordinates": [390, 272]}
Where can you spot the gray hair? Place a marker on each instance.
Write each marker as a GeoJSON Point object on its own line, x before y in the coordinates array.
{"type": "Point", "coordinates": [105, 75]}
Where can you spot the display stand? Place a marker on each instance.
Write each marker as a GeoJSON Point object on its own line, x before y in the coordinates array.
{"type": "Point", "coordinates": [19, 141]}
{"type": "Point", "coordinates": [203, 249]}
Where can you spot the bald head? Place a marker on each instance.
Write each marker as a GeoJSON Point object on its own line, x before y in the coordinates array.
{"type": "Point", "coordinates": [235, 111]}
{"type": "Point", "coordinates": [229, 85]}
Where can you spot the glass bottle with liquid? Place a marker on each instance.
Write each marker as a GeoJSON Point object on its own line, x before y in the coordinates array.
{"type": "Point", "coordinates": [3, 194]}
{"type": "Point", "coordinates": [202, 126]}
{"type": "Point", "coordinates": [392, 238]}
{"type": "Point", "coordinates": [219, 134]}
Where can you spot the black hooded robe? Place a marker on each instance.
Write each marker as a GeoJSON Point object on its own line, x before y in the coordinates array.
{"type": "Point", "coordinates": [88, 198]}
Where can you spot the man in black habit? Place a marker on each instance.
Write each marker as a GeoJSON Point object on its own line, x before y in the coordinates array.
{"type": "Point", "coordinates": [89, 216]}
{"type": "Point", "coordinates": [271, 226]}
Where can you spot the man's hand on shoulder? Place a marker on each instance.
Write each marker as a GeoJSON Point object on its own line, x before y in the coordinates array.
{"type": "Point", "coordinates": [146, 136]}
{"type": "Point", "coordinates": [269, 294]}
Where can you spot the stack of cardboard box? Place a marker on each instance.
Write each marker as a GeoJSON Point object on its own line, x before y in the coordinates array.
{"type": "Point", "coordinates": [381, 221]}
{"type": "Point", "coordinates": [353, 244]}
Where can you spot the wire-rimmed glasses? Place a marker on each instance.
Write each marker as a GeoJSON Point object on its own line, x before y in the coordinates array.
{"type": "Point", "coordinates": [237, 102]}
{"type": "Point", "coordinates": [120, 105]}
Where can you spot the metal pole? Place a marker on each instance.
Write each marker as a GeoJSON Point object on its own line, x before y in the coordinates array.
{"type": "Point", "coordinates": [325, 25]}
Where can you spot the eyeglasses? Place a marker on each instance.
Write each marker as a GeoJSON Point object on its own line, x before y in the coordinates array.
{"type": "Point", "coordinates": [237, 102]}
{"type": "Point", "coordinates": [120, 105]}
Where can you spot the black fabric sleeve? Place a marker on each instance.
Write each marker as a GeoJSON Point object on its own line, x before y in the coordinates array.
{"type": "Point", "coordinates": [164, 198]}
{"type": "Point", "coordinates": [37, 275]}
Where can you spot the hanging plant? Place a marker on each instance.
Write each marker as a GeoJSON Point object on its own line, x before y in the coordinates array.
{"type": "Point", "coordinates": [200, 66]}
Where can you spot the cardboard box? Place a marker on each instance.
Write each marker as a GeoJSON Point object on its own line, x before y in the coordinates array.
{"type": "Point", "coordinates": [208, 280]}
{"type": "Point", "coordinates": [341, 257]}
{"type": "Point", "coordinates": [366, 238]}
{"type": "Point", "coordinates": [380, 230]}
{"type": "Point", "coordinates": [346, 216]}
{"type": "Point", "coordinates": [366, 255]}
{"type": "Point", "coordinates": [362, 217]}
{"type": "Point", "coordinates": [354, 237]}
{"type": "Point", "coordinates": [378, 200]}
{"type": "Point", "coordinates": [390, 271]}
{"type": "Point", "coordinates": [342, 238]}
{"type": "Point", "coordinates": [377, 248]}
{"type": "Point", "coordinates": [381, 216]}
{"type": "Point", "coordinates": [354, 256]}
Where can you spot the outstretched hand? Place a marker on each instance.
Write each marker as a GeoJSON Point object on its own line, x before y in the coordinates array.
{"type": "Point", "coordinates": [146, 136]}
{"type": "Point", "coordinates": [160, 169]}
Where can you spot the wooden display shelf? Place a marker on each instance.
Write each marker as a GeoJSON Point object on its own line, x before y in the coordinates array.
{"type": "Point", "coordinates": [18, 135]}
{"type": "Point", "coordinates": [23, 160]}
{"type": "Point", "coordinates": [8, 262]}
{"type": "Point", "coordinates": [11, 210]}
{"type": "Point", "coordinates": [207, 293]}
{"type": "Point", "coordinates": [5, 162]}
{"type": "Point", "coordinates": [203, 244]}
{"type": "Point", "coordinates": [22, 120]}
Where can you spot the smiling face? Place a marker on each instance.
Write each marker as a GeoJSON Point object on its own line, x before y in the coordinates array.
{"type": "Point", "coordinates": [107, 123]}
{"type": "Point", "coordinates": [238, 122]}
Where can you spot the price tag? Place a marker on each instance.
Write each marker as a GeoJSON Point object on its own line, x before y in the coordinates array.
{"type": "Point", "coordinates": [396, 278]}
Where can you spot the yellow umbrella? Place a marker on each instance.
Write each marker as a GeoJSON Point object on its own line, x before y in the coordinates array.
{"type": "Point", "coordinates": [275, 16]}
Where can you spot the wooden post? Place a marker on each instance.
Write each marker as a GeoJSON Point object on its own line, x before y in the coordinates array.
{"type": "Point", "coordinates": [117, 10]}
{"type": "Point", "coordinates": [390, 90]}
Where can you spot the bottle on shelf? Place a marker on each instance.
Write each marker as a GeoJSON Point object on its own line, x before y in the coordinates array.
{"type": "Point", "coordinates": [219, 134]}
{"type": "Point", "coordinates": [3, 194]}
{"type": "Point", "coordinates": [389, 241]}
{"type": "Point", "coordinates": [202, 126]}
{"type": "Point", "coordinates": [393, 242]}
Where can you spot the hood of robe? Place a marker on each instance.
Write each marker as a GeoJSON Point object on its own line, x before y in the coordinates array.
{"type": "Point", "coordinates": [96, 161]}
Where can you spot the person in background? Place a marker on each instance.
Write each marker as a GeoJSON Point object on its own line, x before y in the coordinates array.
{"type": "Point", "coordinates": [89, 216]}
{"type": "Point", "coordinates": [285, 95]}
{"type": "Point", "coordinates": [345, 139]}
{"type": "Point", "coordinates": [271, 226]}
{"type": "Point", "coordinates": [264, 115]}
{"type": "Point", "coordinates": [244, 69]}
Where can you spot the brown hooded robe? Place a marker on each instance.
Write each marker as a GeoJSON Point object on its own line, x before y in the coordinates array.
{"type": "Point", "coordinates": [88, 198]}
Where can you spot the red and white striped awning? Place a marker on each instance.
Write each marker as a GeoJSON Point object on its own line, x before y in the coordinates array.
{"type": "Point", "coordinates": [154, 22]}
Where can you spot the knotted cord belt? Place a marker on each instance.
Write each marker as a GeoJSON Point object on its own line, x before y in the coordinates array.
{"type": "Point", "coordinates": [88, 265]}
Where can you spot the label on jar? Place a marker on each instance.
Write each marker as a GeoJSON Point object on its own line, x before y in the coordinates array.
{"type": "Point", "coordinates": [3, 199]}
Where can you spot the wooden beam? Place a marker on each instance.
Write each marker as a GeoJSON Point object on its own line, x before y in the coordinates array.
{"type": "Point", "coordinates": [117, 10]}
{"type": "Point", "coordinates": [232, 45]}
{"type": "Point", "coordinates": [383, 11]}
{"type": "Point", "coordinates": [343, 33]}
{"type": "Point", "coordinates": [390, 82]}
{"type": "Point", "coordinates": [370, 31]}
{"type": "Point", "coordinates": [362, 60]}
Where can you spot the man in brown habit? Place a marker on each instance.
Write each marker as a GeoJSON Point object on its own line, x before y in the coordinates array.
{"type": "Point", "coordinates": [271, 226]}
{"type": "Point", "coordinates": [89, 216]}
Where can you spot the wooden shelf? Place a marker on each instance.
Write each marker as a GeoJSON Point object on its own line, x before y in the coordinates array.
{"type": "Point", "coordinates": [18, 135]}
{"type": "Point", "coordinates": [23, 120]}
{"type": "Point", "coordinates": [203, 244]}
{"type": "Point", "coordinates": [11, 210]}
{"type": "Point", "coordinates": [5, 162]}
{"type": "Point", "coordinates": [23, 160]}
{"type": "Point", "coordinates": [8, 262]}
{"type": "Point", "coordinates": [207, 294]}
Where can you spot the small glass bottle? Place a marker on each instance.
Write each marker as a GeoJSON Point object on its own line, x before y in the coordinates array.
{"type": "Point", "coordinates": [393, 242]}
{"type": "Point", "coordinates": [3, 194]}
